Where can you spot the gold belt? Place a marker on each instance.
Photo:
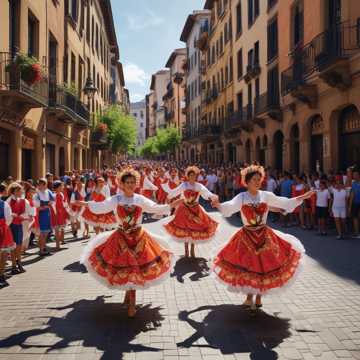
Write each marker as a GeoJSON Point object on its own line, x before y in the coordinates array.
{"type": "Point", "coordinates": [254, 228]}
{"type": "Point", "coordinates": [130, 230]}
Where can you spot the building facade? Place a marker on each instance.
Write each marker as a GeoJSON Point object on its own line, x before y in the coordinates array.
{"type": "Point", "coordinates": [194, 68]}
{"type": "Point", "coordinates": [45, 125]}
{"type": "Point", "coordinates": [138, 111]}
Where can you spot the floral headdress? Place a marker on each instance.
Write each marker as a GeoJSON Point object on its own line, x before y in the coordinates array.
{"type": "Point", "coordinates": [129, 171]}
{"type": "Point", "coordinates": [250, 169]}
{"type": "Point", "coordinates": [190, 169]}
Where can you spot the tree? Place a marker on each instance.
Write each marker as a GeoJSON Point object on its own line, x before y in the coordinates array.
{"type": "Point", "coordinates": [150, 149]}
{"type": "Point", "coordinates": [121, 129]}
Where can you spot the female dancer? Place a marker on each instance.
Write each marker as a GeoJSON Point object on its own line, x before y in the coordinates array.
{"type": "Point", "coordinates": [77, 195]}
{"type": "Point", "coordinates": [190, 223]}
{"type": "Point", "coordinates": [101, 221]}
{"type": "Point", "coordinates": [128, 258]}
{"type": "Point", "coordinates": [61, 215]}
{"type": "Point", "coordinates": [258, 259]}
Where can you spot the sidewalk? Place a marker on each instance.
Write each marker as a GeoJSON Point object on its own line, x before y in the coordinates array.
{"type": "Point", "coordinates": [56, 311]}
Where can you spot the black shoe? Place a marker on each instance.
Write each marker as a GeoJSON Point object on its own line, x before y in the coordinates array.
{"type": "Point", "coordinates": [20, 267]}
{"type": "Point", "coordinates": [44, 253]}
{"type": "Point", "coordinates": [3, 282]}
{"type": "Point", "coordinates": [15, 271]}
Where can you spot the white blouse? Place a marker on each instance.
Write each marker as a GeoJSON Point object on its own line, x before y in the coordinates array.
{"type": "Point", "coordinates": [230, 207]}
{"type": "Point", "coordinates": [148, 185]}
{"type": "Point", "coordinates": [141, 201]}
{"type": "Point", "coordinates": [201, 189]}
{"type": "Point", "coordinates": [46, 195]}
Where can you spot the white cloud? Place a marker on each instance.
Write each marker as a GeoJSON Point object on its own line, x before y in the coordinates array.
{"type": "Point", "coordinates": [141, 22]}
{"type": "Point", "coordinates": [136, 97]}
{"type": "Point", "coordinates": [135, 75]}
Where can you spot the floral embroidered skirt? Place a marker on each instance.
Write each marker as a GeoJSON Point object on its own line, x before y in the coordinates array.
{"type": "Point", "coordinates": [191, 224]}
{"type": "Point", "coordinates": [258, 261]}
{"type": "Point", "coordinates": [127, 261]}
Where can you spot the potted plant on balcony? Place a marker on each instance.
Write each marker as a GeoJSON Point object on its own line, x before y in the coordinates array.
{"type": "Point", "coordinates": [28, 67]}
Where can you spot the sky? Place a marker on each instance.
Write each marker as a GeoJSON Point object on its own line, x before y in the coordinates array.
{"type": "Point", "coordinates": [147, 32]}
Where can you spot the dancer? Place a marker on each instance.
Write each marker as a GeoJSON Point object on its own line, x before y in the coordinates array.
{"type": "Point", "coordinates": [7, 244]}
{"type": "Point", "coordinates": [128, 258]}
{"type": "Point", "coordinates": [258, 259]}
{"type": "Point", "coordinates": [62, 215]}
{"type": "Point", "coordinates": [148, 188]}
{"type": "Point", "coordinates": [43, 201]}
{"type": "Point", "coordinates": [101, 221]}
{"type": "Point", "coordinates": [22, 212]}
{"type": "Point", "coordinates": [75, 211]}
{"type": "Point", "coordinates": [190, 223]}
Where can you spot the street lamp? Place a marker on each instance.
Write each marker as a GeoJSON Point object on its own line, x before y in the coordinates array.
{"type": "Point", "coordinates": [89, 89]}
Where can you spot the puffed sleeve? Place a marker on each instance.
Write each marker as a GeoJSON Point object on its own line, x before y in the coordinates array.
{"type": "Point", "coordinates": [148, 185]}
{"type": "Point", "coordinates": [175, 192]}
{"type": "Point", "coordinates": [152, 207]}
{"type": "Point", "coordinates": [231, 207]}
{"type": "Point", "coordinates": [7, 213]}
{"type": "Point", "coordinates": [103, 207]}
{"type": "Point", "coordinates": [289, 205]}
{"type": "Point", "coordinates": [107, 193]}
{"type": "Point", "coordinates": [36, 200]}
{"type": "Point", "coordinates": [29, 211]}
{"type": "Point", "coordinates": [165, 187]}
{"type": "Point", "coordinates": [204, 192]}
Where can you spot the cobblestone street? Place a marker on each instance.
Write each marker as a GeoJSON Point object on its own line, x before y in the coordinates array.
{"type": "Point", "coordinates": [56, 311]}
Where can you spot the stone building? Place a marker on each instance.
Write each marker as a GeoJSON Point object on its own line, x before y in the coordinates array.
{"type": "Point", "coordinates": [138, 111]}
{"type": "Point", "coordinates": [45, 127]}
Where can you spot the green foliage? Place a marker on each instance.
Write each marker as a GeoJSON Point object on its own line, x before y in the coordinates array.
{"type": "Point", "coordinates": [165, 141]}
{"type": "Point", "coordinates": [121, 129]}
{"type": "Point", "coordinates": [71, 89]}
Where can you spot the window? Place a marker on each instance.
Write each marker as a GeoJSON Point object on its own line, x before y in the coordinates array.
{"type": "Point", "coordinates": [253, 11]}
{"type": "Point", "coordinates": [141, 114]}
{"type": "Point", "coordinates": [82, 17]}
{"type": "Point", "coordinates": [250, 58]}
{"type": "Point", "coordinates": [239, 98]}
{"type": "Point", "coordinates": [74, 10]}
{"type": "Point", "coordinates": [213, 59]}
{"type": "Point", "coordinates": [88, 23]}
{"type": "Point", "coordinates": [238, 19]}
{"type": "Point", "coordinates": [222, 79]}
{"type": "Point", "coordinates": [256, 53]}
{"type": "Point", "coordinates": [257, 88]}
{"type": "Point", "coordinates": [272, 34]}
{"type": "Point", "coordinates": [209, 57]}
{"type": "Point", "coordinates": [249, 94]}
{"type": "Point", "coordinates": [273, 86]}
{"type": "Point", "coordinates": [97, 39]}
{"type": "Point", "coordinates": [226, 38]}
{"type": "Point", "coordinates": [221, 44]}
{"type": "Point", "coordinates": [73, 68]}
{"type": "Point", "coordinates": [92, 32]}
{"type": "Point", "coordinates": [135, 114]}
{"type": "Point", "coordinates": [226, 75]}
{"type": "Point", "coordinates": [240, 64]}
{"type": "Point", "coordinates": [33, 36]}
{"type": "Point", "coordinates": [231, 69]}
{"type": "Point", "coordinates": [297, 21]}
{"type": "Point", "coordinates": [230, 107]}
{"type": "Point", "coordinates": [271, 3]}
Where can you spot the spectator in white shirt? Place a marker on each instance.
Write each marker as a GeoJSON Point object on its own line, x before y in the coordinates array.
{"type": "Point", "coordinates": [322, 204]}
{"type": "Point", "coordinates": [338, 207]}
{"type": "Point", "coordinates": [212, 180]}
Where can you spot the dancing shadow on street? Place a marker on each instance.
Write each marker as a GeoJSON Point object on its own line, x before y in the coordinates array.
{"type": "Point", "coordinates": [76, 267]}
{"type": "Point", "coordinates": [198, 267]}
{"type": "Point", "coordinates": [96, 324]}
{"type": "Point", "coordinates": [257, 334]}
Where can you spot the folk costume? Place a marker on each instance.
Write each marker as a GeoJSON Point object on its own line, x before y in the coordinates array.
{"type": "Point", "coordinates": [75, 210]}
{"type": "Point", "coordinates": [258, 259]}
{"type": "Point", "coordinates": [104, 221]}
{"type": "Point", "coordinates": [43, 201]}
{"type": "Point", "coordinates": [190, 222]}
{"type": "Point", "coordinates": [61, 215]}
{"type": "Point", "coordinates": [129, 257]}
{"type": "Point", "coordinates": [7, 243]}
{"type": "Point", "coordinates": [148, 188]}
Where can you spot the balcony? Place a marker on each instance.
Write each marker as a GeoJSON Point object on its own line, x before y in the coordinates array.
{"type": "Point", "coordinates": [99, 140]}
{"type": "Point", "coordinates": [252, 71]}
{"type": "Point", "coordinates": [327, 55]}
{"type": "Point", "coordinates": [209, 132]}
{"type": "Point", "coordinates": [17, 90]}
{"type": "Point", "coordinates": [68, 107]}
{"type": "Point", "coordinates": [268, 105]}
{"type": "Point", "coordinates": [190, 134]}
{"type": "Point", "coordinates": [203, 41]}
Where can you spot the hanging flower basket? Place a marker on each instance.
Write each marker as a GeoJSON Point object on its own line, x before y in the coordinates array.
{"type": "Point", "coordinates": [101, 128]}
{"type": "Point", "coordinates": [29, 68]}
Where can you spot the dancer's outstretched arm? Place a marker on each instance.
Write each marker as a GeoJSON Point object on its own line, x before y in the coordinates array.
{"type": "Point", "coordinates": [102, 207]}
{"type": "Point", "coordinates": [289, 205]}
{"type": "Point", "coordinates": [152, 207]}
{"type": "Point", "coordinates": [229, 208]}
{"type": "Point", "coordinates": [206, 194]}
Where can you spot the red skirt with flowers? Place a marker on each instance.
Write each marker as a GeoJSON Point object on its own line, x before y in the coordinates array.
{"type": "Point", "coordinates": [6, 239]}
{"type": "Point", "coordinates": [258, 261]}
{"type": "Point", "coordinates": [127, 260]}
{"type": "Point", "coordinates": [191, 224]}
{"type": "Point", "coordinates": [104, 221]}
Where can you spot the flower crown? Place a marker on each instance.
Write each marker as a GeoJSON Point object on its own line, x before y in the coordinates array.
{"type": "Point", "coordinates": [129, 171]}
{"type": "Point", "coordinates": [194, 169]}
{"type": "Point", "coordinates": [252, 168]}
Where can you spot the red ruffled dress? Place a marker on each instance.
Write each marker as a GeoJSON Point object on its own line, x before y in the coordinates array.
{"type": "Point", "coordinates": [61, 215]}
{"type": "Point", "coordinates": [161, 195]}
{"type": "Point", "coordinates": [75, 210]}
{"type": "Point", "coordinates": [297, 190]}
{"type": "Point", "coordinates": [6, 239]}
{"type": "Point", "coordinates": [148, 187]}
{"type": "Point", "coordinates": [191, 223]}
{"type": "Point", "coordinates": [101, 220]}
{"type": "Point", "coordinates": [258, 259]}
{"type": "Point", "coordinates": [130, 257]}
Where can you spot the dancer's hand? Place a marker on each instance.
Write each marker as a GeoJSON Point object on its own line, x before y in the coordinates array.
{"type": "Point", "coordinates": [215, 203]}
{"type": "Point", "coordinates": [176, 203]}
{"type": "Point", "coordinates": [81, 203]}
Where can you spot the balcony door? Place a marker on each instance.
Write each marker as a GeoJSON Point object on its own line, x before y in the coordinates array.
{"type": "Point", "coordinates": [52, 68]}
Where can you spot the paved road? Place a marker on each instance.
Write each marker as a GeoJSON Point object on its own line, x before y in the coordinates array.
{"type": "Point", "coordinates": [56, 311]}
